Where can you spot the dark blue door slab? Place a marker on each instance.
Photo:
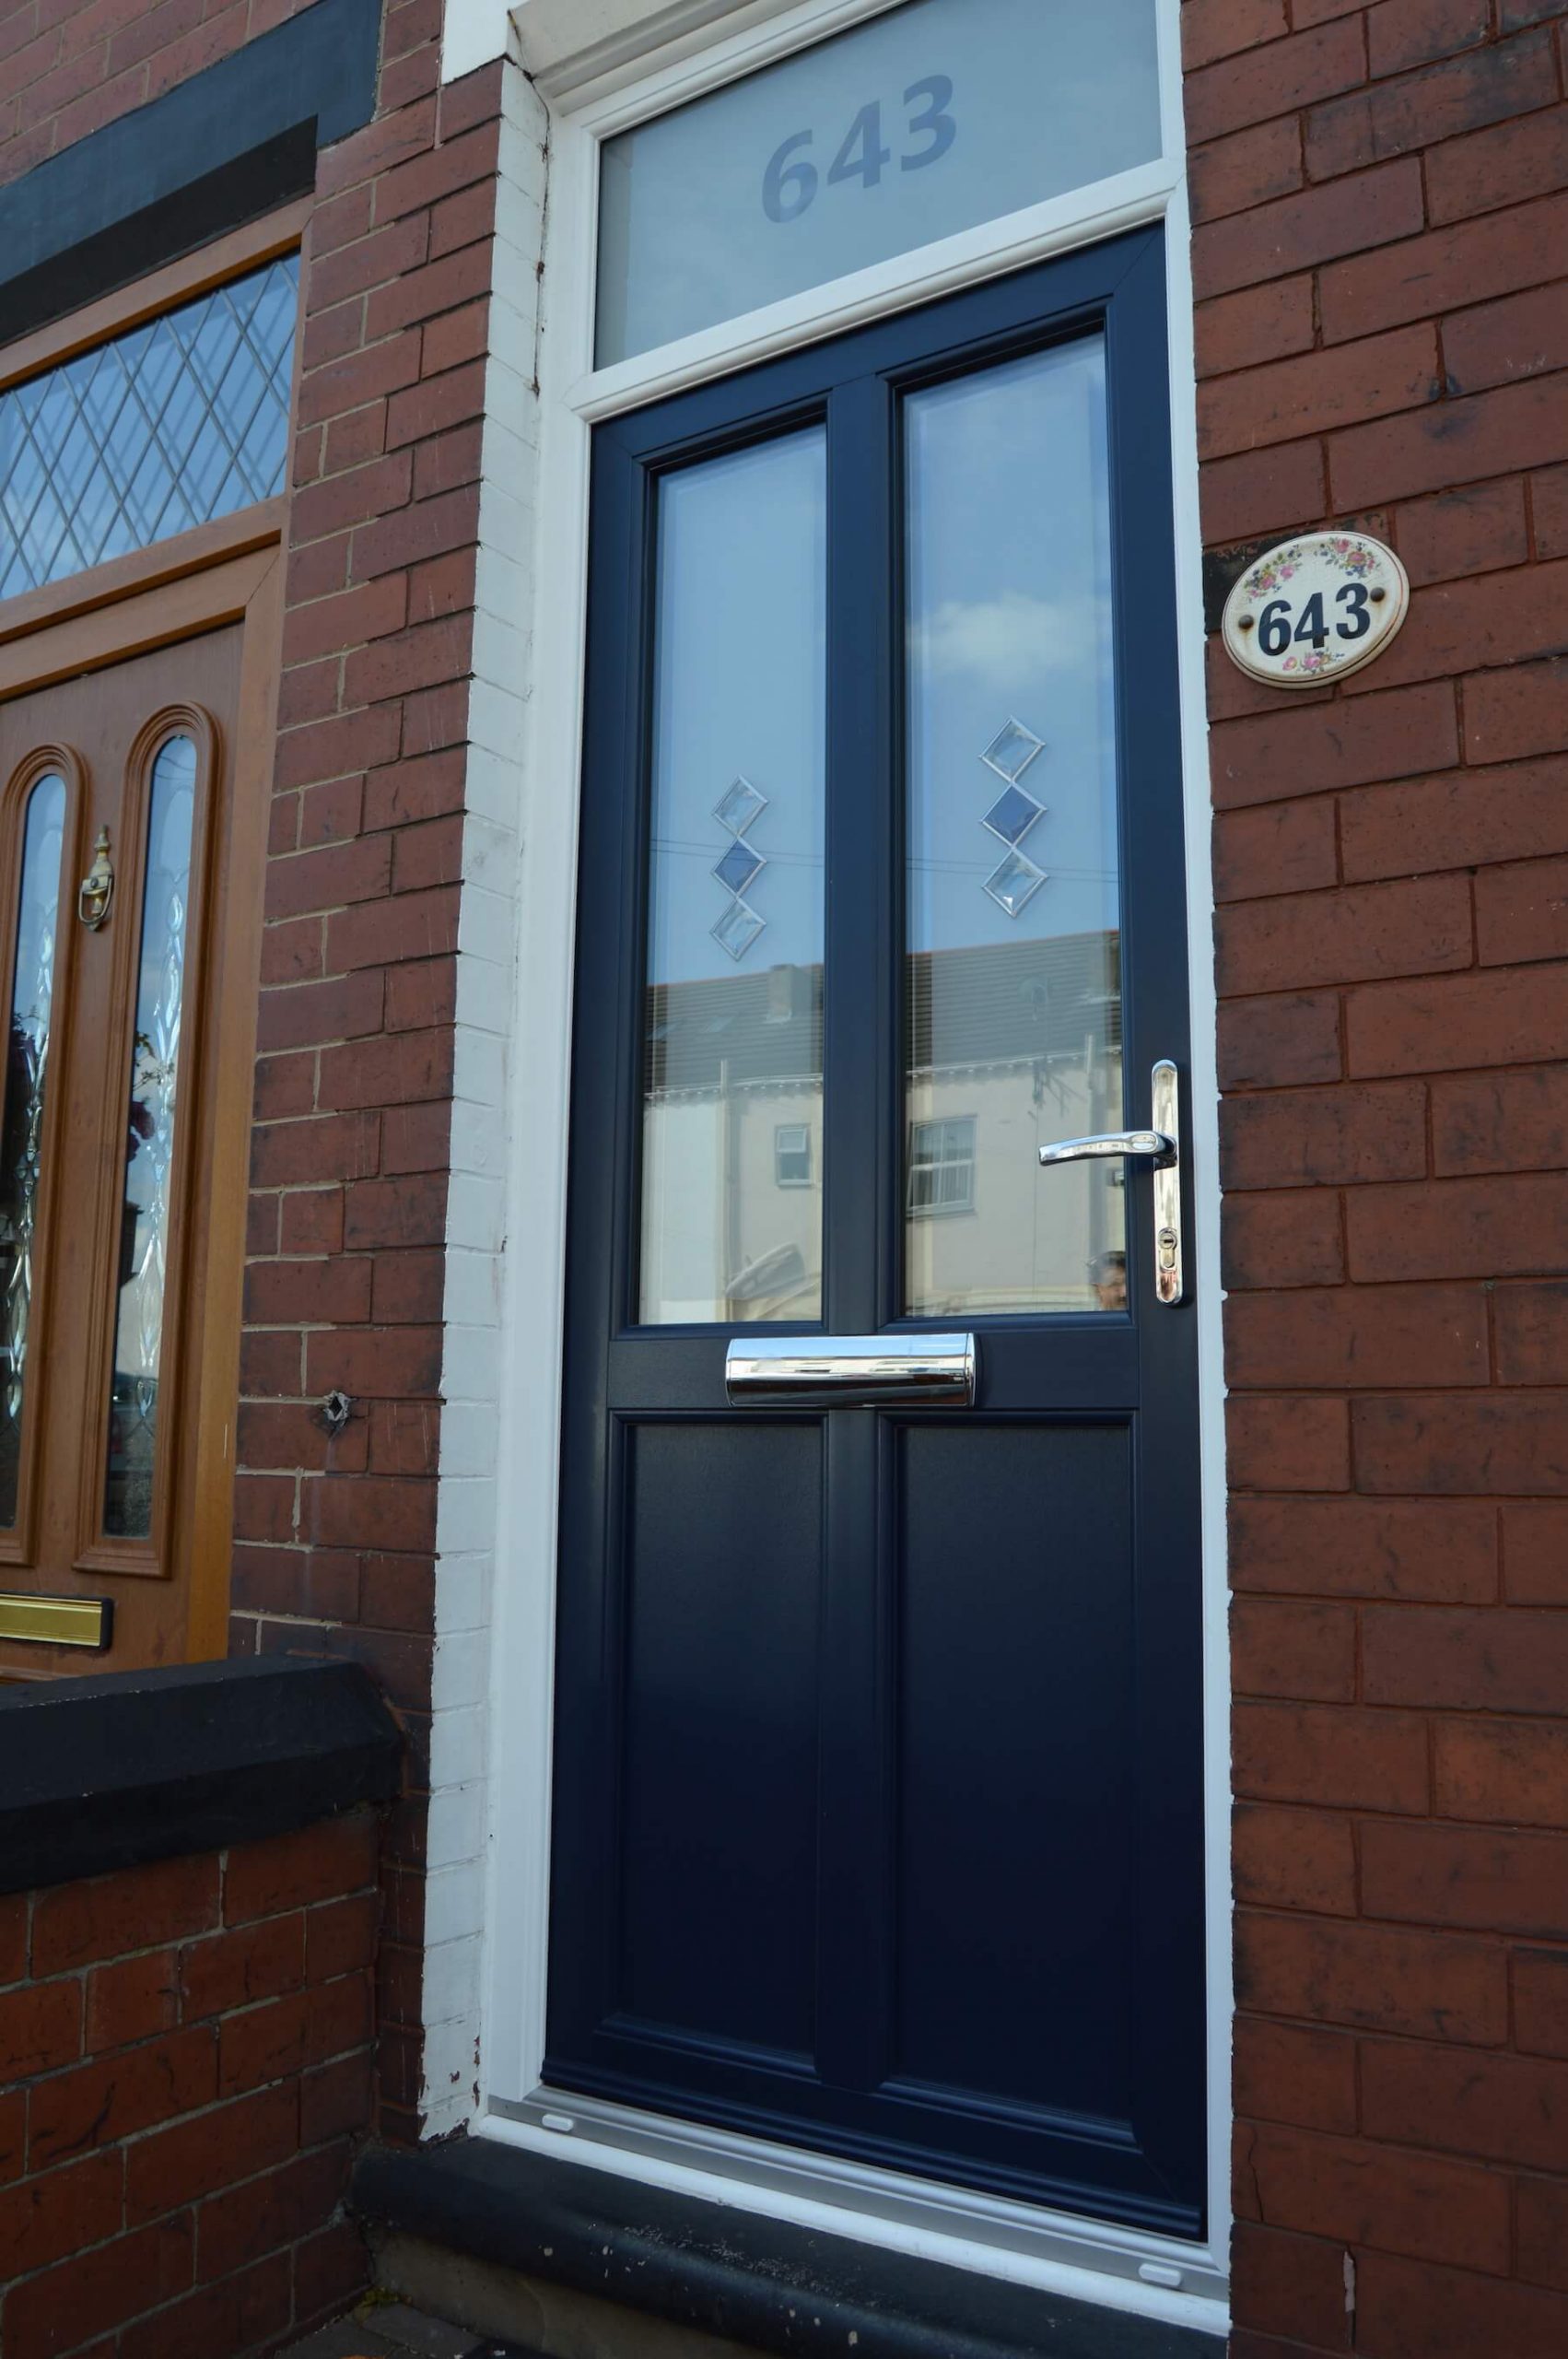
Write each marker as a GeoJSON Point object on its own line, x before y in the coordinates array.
{"type": "Point", "coordinates": [878, 1776]}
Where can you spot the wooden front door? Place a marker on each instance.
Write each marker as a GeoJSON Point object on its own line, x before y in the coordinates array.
{"type": "Point", "coordinates": [117, 845]}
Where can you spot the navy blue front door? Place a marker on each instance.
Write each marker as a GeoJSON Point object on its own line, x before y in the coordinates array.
{"type": "Point", "coordinates": [877, 1823]}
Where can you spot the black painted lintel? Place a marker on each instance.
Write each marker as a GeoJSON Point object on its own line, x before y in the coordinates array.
{"type": "Point", "coordinates": [222, 148]}
{"type": "Point", "coordinates": [117, 1768]}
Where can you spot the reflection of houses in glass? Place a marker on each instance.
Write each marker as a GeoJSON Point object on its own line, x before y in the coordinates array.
{"type": "Point", "coordinates": [1011, 1044]}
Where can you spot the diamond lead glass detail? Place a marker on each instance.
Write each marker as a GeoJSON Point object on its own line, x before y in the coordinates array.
{"type": "Point", "coordinates": [1012, 815]}
{"type": "Point", "coordinates": [164, 428]}
{"type": "Point", "coordinates": [739, 806]}
{"type": "Point", "coordinates": [736, 810]}
{"type": "Point", "coordinates": [1011, 750]}
{"type": "Point", "coordinates": [738, 866]}
{"type": "Point", "coordinates": [738, 929]}
{"type": "Point", "coordinates": [1013, 883]}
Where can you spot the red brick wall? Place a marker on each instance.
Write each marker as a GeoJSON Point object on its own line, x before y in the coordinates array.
{"type": "Point", "coordinates": [335, 1538]}
{"type": "Point", "coordinates": [1381, 197]}
{"type": "Point", "coordinates": [186, 2066]}
{"type": "Point", "coordinates": [68, 66]}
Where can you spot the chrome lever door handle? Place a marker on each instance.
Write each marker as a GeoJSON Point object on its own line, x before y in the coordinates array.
{"type": "Point", "coordinates": [1160, 1147]}
{"type": "Point", "coordinates": [1141, 1146]}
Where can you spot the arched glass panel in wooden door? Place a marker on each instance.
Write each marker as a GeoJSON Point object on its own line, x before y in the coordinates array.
{"type": "Point", "coordinates": [28, 1039]}
{"type": "Point", "coordinates": [143, 1271]}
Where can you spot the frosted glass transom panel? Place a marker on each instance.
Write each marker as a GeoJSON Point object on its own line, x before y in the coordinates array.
{"type": "Point", "coordinates": [933, 118]}
{"type": "Point", "coordinates": [182, 419]}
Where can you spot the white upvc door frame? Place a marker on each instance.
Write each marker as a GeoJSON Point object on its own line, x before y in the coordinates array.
{"type": "Point", "coordinates": [1122, 2268]}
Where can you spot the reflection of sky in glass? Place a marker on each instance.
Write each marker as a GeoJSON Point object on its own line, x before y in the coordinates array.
{"type": "Point", "coordinates": [738, 686]}
{"type": "Point", "coordinates": [1008, 569]}
{"type": "Point", "coordinates": [1047, 96]}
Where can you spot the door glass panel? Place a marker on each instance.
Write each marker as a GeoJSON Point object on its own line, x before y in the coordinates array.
{"type": "Point", "coordinates": [21, 1131]}
{"type": "Point", "coordinates": [934, 118]}
{"type": "Point", "coordinates": [731, 1220]}
{"type": "Point", "coordinates": [1013, 968]}
{"type": "Point", "coordinates": [142, 1269]}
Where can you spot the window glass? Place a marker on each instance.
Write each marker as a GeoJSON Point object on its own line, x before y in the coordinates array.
{"type": "Point", "coordinates": [732, 1007]}
{"type": "Point", "coordinates": [936, 117]}
{"type": "Point", "coordinates": [143, 1270]}
{"type": "Point", "coordinates": [1012, 967]}
{"type": "Point", "coordinates": [182, 419]}
{"type": "Point", "coordinates": [21, 1132]}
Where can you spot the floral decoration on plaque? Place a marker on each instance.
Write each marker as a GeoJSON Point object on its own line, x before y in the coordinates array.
{"type": "Point", "coordinates": [1314, 608]}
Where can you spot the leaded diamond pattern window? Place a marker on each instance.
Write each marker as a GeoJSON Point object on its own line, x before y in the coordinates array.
{"type": "Point", "coordinates": [182, 419]}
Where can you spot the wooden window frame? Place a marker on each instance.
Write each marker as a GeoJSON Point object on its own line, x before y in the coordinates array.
{"type": "Point", "coordinates": [231, 571]}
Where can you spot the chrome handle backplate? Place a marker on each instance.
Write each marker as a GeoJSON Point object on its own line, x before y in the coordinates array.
{"type": "Point", "coordinates": [1160, 1146]}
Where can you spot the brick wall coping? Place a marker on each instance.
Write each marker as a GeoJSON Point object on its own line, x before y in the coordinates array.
{"type": "Point", "coordinates": [109, 1771]}
{"type": "Point", "coordinates": [220, 149]}
{"type": "Point", "coordinates": [711, 2268]}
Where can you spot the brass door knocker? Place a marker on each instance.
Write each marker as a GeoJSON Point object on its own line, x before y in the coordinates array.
{"type": "Point", "coordinates": [97, 890]}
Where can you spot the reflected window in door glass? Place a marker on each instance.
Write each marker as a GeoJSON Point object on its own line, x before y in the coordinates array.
{"type": "Point", "coordinates": [21, 1127]}
{"type": "Point", "coordinates": [1013, 965]}
{"type": "Point", "coordinates": [143, 1270]}
{"type": "Point", "coordinates": [732, 1118]}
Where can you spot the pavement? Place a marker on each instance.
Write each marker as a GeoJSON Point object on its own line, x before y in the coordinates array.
{"type": "Point", "coordinates": [392, 2331]}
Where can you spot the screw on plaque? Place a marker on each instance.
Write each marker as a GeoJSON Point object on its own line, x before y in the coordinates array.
{"type": "Point", "coordinates": [336, 1410]}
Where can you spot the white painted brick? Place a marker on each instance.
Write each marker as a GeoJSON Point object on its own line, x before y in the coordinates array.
{"type": "Point", "coordinates": [489, 854]}
{"type": "Point", "coordinates": [487, 926]}
{"type": "Point", "coordinates": [476, 1211]}
{"type": "Point", "coordinates": [493, 786]}
{"type": "Point", "coordinates": [514, 340]}
{"type": "Point", "coordinates": [474, 1287]}
{"type": "Point", "coordinates": [504, 585]}
{"type": "Point", "coordinates": [461, 1746]}
{"type": "Point", "coordinates": [497, 717]}
{"type": "Point", "coordinates": [510, 470]}
{"type": "Point", "coordinates": [513, 399]}
{"type": "Point", "coordinates": [478, 1142]}
{"type": "Point", "coordinates": [470, 1437]}
{"type": "Point", "coordinates": [459, 1676]}
{"type": "Point", "coordinates": [451, 1979]}
{"type": "Point", "coordinates": [467, 1584]}
{"type": "Point", "coordinates": [478, 1066]}
{"type": "Point", "coordinates": [455, 1826]}
{"type": "Point", "coordinates": [455, 1901]}
{"type": "Point", "coordinates": [466, 1512]}
{"type": "Point", "coordinates": [471, 1365]}
{"type": "Point", "coordinates": [450, 2073]}
{"type": "Point", "coordinates": [500, 652]}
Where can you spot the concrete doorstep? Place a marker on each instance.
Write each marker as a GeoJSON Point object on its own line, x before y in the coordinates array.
{"type": "Point", "coordinates": [382, 2329]}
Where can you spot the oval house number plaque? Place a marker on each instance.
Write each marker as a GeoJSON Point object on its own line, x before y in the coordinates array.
{"type": "Point", "coordinates": [1314, 608]}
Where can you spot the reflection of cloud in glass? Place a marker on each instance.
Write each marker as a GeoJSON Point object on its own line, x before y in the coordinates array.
{"type": "Point", "coordinates": [995, 639]}
{"type": "Point", "coordinates": [1010, 626]}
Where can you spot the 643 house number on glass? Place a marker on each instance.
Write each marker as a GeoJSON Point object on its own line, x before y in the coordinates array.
{"type": "Point", "coordinates": [790, 183]}
{"type": "Point", "coordinates": [1310, 610]}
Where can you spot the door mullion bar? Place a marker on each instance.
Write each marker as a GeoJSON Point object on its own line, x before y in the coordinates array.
{"type": "Point", "coordinates": [855, 1894]}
